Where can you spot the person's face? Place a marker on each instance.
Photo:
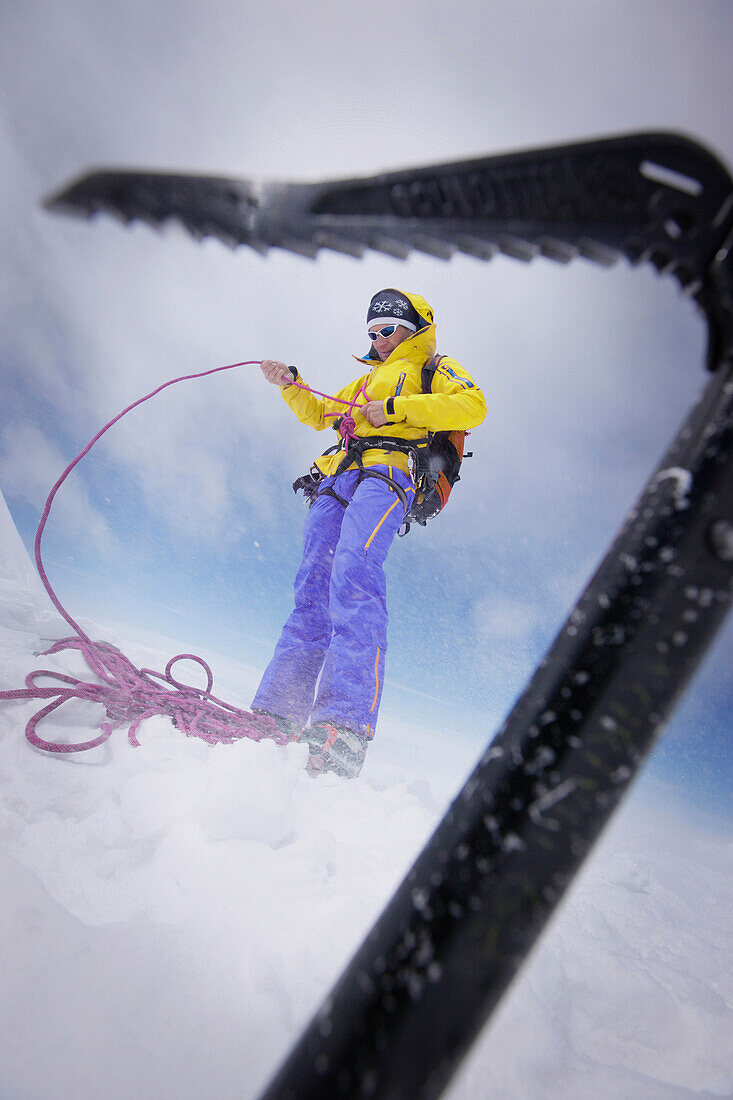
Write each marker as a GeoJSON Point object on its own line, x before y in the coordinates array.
{"type": "Point", "coordinates": [386, 344]}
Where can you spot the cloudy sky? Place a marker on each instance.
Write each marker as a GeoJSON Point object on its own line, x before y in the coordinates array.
{"type": "Point", "coordinates": [183, 522]}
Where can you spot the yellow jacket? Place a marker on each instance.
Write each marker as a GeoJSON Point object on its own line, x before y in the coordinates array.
{"type": "Point", "coordinates": [455, 403]}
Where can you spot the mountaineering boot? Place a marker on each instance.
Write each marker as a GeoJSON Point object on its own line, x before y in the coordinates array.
{"type": "Point", "coordinates": [334, 749]}
{"type": "Point", "coordinates": [319, 739]}
{"type": "Point", "coordinates": [288, 729]}
{"type": "Point", "coordinates": [346, 757]}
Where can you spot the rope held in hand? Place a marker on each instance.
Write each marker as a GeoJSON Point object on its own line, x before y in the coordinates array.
{"type": "Point", "coordinates": [130, 694]}
{"type": "Point", "coordinates": [347, 425]}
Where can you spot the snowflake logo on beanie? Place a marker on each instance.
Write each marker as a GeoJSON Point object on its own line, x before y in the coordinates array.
{"type": "Point", "coordinates": [398, 306]}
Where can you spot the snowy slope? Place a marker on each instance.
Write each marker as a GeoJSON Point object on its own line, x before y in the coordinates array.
{"type": "Point", "coordinates": [175, 913]}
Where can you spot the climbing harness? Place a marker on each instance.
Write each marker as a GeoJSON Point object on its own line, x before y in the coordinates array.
{"type": "Point", "coordinates": [435, 460]}
{"type": "Point", "coordinates": [311, 484]}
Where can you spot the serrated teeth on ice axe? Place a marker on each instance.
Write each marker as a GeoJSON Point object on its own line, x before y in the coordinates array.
{"type": "Point", "coordinates": [658, 197]}
{"type": "Point", "coordinates": [206, 206]}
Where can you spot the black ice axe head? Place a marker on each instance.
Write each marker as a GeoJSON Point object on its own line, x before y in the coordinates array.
{"type": "Point", "coordinates": [659, 198]}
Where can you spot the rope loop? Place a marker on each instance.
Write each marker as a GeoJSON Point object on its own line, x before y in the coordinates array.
{"type": "Point", "coordinates": [187, 687]}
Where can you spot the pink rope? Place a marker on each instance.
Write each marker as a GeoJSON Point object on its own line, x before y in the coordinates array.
{"type": "Point", "coordinates": [130, 694]}
{"type": "Point", "coordinates": [347, 427]}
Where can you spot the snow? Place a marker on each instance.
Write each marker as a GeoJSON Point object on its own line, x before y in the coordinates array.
{"type": "Point", "coordinates": [175, 913]}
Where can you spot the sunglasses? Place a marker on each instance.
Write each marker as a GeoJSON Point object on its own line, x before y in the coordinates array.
{"type": "Point", "coordinates": [385, 332]}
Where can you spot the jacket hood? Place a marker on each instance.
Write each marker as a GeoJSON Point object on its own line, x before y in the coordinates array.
{"type": "Point", "coordinates": [424, 309]}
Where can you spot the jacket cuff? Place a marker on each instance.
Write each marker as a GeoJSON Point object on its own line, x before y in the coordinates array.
{"type": "Point", "coordinates": [394, 408]}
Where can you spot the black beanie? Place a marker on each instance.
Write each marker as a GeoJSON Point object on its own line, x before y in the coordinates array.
{"type": "Point", "coordinates": [393, 308]}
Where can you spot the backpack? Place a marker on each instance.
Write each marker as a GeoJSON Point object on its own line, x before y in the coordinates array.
{"type": "Point", "coordinates": [437, 464]}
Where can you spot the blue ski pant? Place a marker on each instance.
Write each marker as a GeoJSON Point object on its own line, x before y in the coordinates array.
{"type": "Point", "coordinates": [328, 665]}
